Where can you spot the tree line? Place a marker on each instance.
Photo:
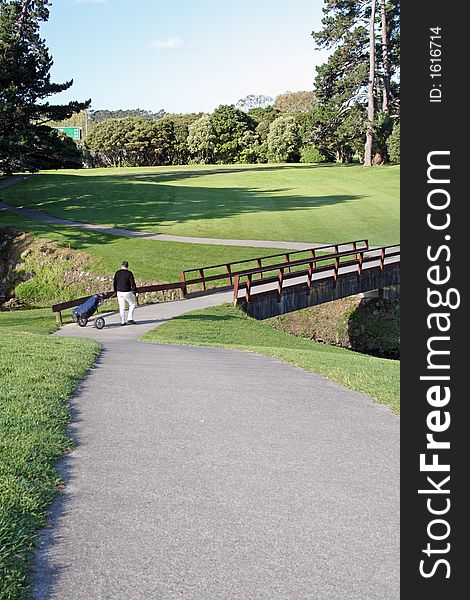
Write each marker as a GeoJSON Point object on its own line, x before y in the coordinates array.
{"type": "Point", "coordinates": [228, 135]}
{"type": "Point", "coordinates": [352, 114]}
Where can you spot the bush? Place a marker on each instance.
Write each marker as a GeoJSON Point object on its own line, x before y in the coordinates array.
{"type": "Point", "coordinates": [311, 154]}
{"type": "Point", "coordinates": [257, 153]}
{"type": "Point", "coordinates": [284, 140]}
{"type": "Point", "coordinates": [393, 144]}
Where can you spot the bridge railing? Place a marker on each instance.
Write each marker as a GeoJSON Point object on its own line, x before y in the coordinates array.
{"type": "Point", "coordinates": [159, 287]}
{"type": "Point", "coordinates": [332, 263]}
{"type": "Point", "coordinates": [228, 271]}
{"type": "Point", "coordinates": [292, 266]}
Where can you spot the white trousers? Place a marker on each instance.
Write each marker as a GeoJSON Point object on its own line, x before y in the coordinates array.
{"type": "Point", "coordinates": [128, 297]}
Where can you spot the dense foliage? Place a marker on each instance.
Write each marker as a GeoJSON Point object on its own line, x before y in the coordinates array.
{"type": "Point", "coordinates": [284, 140]}
{"type": "Point", "coordinates": [228, 135]}
{"type": "Point", "coordinates": [350, 115]}
{"type": "Point", "coordinates": [26, 140]}
{"type": "Point", "coordinates": [393, 144]}
{"type": "Point", "coordinates": [340, 120]}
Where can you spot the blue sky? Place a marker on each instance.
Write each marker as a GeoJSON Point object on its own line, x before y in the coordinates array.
{"type": "Point", "coordinates": [184, 55]}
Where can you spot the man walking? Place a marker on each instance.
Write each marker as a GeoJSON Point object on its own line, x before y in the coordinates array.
{"type": "Point", "coordinates": [125, 289]}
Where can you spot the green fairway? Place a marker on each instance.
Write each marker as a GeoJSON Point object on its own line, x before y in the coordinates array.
{"type": "Point", "coordinates": [150, 260]}
{"type": "Point", "coordinates": [229, 327]}
{"type": "Point", "coordinates": [38, 374]}
{"type": "Point", "coordinates": [308, 203]}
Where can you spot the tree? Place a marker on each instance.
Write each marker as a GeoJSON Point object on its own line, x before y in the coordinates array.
{"type": "Point", "coordinates": [202, 140]}
{"type": "Point", "coordinates": [262, 119]}
{"type": "Point", "coordinates": [354, 73]}
{"type": "Point", "coordinates": [393, 144]}
{"type": "Point", "coordinates": [56, 151]}
{"type": "Point", "coordinates": [254, 101]}
{"type": "Point", "coordinates": [181, 124]}
{"type": "Point", "coordinates": [284, 140]}
{"type": "Point", "coordinates": [370, 89]}
{"type": "Point", "coordinates": [25, 84]}
{"type": "Point", "coordinates": [229, 126]}
{"type": "Point", "coordinates": [311, 154]}
{"type": "Point", "coordinates": [133, 142]}
{"type": "Point", "coordinates": [302, 101]}
{"type": "Point", "coordinates": [97, 116]}
{"type": "Point", "coordinates": [108, 141]}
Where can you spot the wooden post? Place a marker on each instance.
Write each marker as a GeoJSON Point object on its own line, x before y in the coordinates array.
{"type": "Point", "coordinates": [58, 317]}
{"type": "Point", "coordinates": [184, 289]}
{"type": "Point", "coordinates": [335, 273]}
{"type": "Point", "coordinates": [309, 275]}
{"type": "Point", "coordinates": [359, 264]}
{"type": "Point", "coordinates": [229, 271]}
{"type": "Point", "coordinates": [258, 262]}
{"type": "Point", "coordinates": [201, 273]}
{"type": "Point", "coordinates": [235, 289]}
{"type": "Point", "coordinates": [279, 284]}
{"type": "Point", "coordinates": [248, 287]}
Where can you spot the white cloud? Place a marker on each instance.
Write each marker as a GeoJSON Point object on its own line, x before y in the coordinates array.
{"type": "Point", "coordinates": [168, 44]}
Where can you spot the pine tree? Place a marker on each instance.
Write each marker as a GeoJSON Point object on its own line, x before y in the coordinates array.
{"type": "Point", "coordinates": [25, 85]}
{"type": "Point", "coordinates": [355, 86]}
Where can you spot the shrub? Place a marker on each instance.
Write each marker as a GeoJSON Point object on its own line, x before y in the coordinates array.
{"type": "Point", "coordinates": [393, 144]}
{"type": "Point", "coordinates": [284, 140]}
{"type": "Point", "coordinates": [311, 154]}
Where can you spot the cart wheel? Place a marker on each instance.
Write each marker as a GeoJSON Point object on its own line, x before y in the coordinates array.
{"type": "Point", "coordinates": [82, 321]}
{"type": "Point", "coordinates": [99, 323]}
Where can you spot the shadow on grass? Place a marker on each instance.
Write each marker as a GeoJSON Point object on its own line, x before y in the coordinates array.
{"type": "Point", "coordinates": [139, 200]}
{"type": "Point", "coordinates": [374, 328]}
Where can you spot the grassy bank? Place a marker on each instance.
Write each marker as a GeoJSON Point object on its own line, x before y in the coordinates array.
{"type": "Point", "coordinates": [308, 203]}
{"type": "Point", "coordinates": [228, 327]}
{"type": "Point", "coordinates": [38, 373]}
{"type": "Point", "coordinates": [150, 260]}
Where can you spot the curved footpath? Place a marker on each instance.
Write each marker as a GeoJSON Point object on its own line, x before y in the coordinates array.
{"type": "Point", "coordinates": [44, 217]}
{"type": "Point", "coordinates": [213, 474]}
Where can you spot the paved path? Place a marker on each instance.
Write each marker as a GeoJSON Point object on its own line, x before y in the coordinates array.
{"type": "Point", "coordinates": [4, 183]}
{"type": "Point", "coordinates": [40, 215]}
{"type": "Point", "coordinates": [212, 474]}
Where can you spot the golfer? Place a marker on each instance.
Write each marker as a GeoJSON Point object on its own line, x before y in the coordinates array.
{"type": "Point", "coordinates": [125, 289]}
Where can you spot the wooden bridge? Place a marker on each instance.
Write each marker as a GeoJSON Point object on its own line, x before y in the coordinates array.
{"type": "Point", "coordinates": [270, 285]}
{"type": "Point", "coordinates": [319, 280]}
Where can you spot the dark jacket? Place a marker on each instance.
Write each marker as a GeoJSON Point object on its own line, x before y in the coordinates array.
{"type": "Point", "coordinates": [124, 281]}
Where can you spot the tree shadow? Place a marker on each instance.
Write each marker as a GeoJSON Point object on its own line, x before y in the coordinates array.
{"type": "Point", "coordinates": [374, 328]}
{"type": "Point", "coordinates": [147, 202]}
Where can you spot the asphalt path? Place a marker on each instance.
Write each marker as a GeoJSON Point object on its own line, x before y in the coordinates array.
{"type": "Point", "coordinates": [44, 217]}
{"type": "Point", "coordinates": [212, 474]}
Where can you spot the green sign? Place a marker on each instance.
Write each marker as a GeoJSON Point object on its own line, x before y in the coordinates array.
{"type": "Point", "coordinates": [73, 132]}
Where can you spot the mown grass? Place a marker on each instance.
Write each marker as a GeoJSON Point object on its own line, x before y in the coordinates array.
{"type": "Point", "coordinates": [308, 203]}
{"type": "Point", "coordinates": [37, 320]}
{"type": "Point", "coordinates": [38, 374]}
{"type": "Point", "coordinates": [150, 260]}
{"type": "Point", "coordinates": [229, 327]}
